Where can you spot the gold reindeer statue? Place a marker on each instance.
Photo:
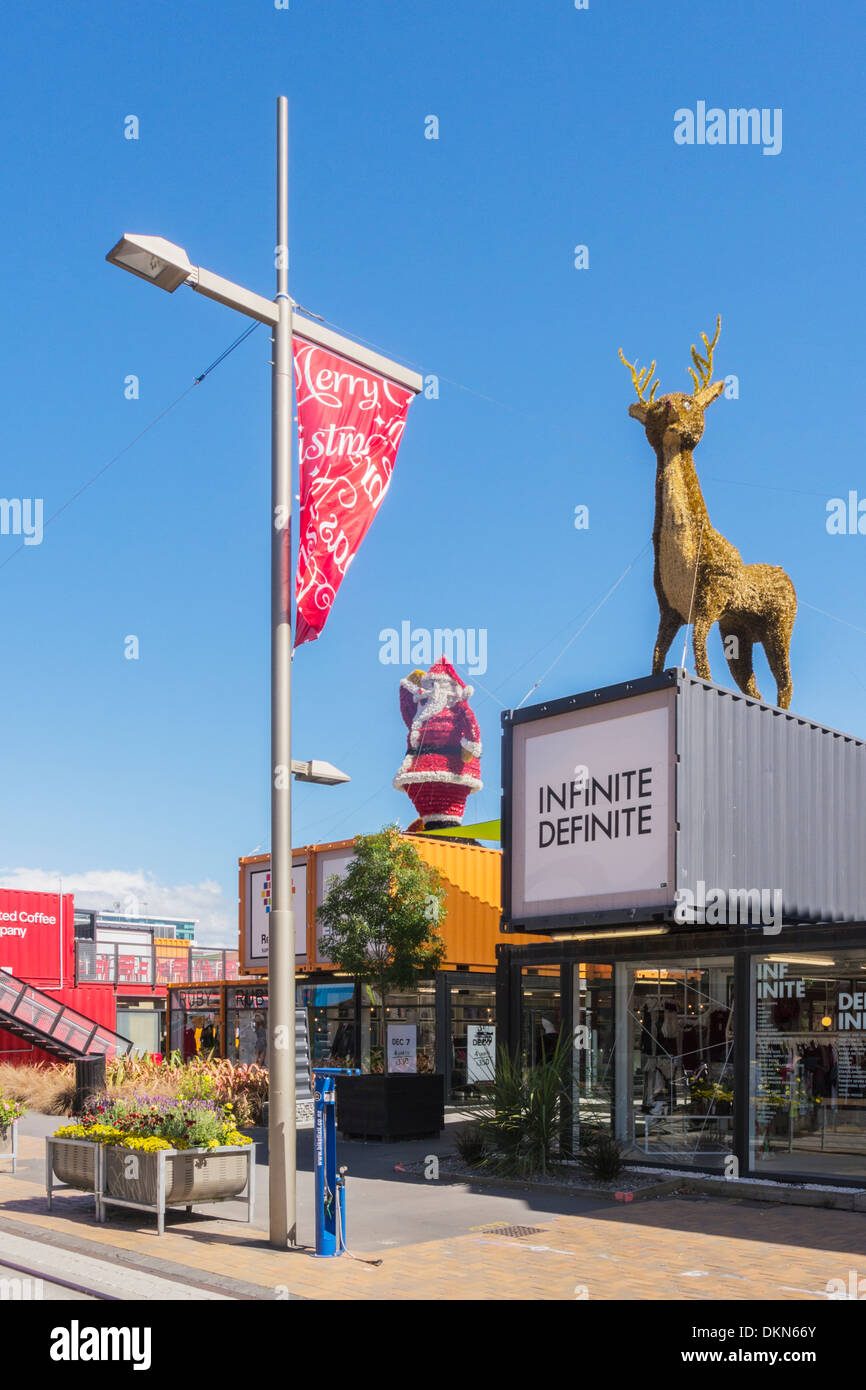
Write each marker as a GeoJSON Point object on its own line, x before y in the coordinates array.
{"type": "Point", "coordinates": [699, 576]}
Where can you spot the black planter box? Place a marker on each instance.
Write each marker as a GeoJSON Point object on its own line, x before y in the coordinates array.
{"type": "Point", "coordinates": [390, 1107]}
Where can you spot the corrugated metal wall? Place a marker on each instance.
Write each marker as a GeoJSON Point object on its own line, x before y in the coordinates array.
{"type": "Point", "coordinates": [471, 878]}
{"type": "Point", "coordinates": [768, 800]}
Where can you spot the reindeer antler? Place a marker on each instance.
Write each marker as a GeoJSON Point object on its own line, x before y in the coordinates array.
{"type": "Point", "coordinates": [704, 364]}
{"type": "Point", "coordinates": [641, 380]}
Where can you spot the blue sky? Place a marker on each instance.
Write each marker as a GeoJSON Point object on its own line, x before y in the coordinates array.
{"type": "Point", "coordinates": [457, 255]}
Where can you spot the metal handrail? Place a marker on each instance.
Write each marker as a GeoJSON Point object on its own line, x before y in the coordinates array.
{"type": "Point", "coordinates": [63, 1012]}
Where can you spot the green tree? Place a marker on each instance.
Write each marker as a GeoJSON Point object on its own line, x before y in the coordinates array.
{"type": "Point", "coordinates": [381, 919]}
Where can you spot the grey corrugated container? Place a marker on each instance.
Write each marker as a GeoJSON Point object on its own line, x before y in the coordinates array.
{"type": "Point", "coordinates": [790, 809]}
{"type": "Point", "coordinates": [764, 799]}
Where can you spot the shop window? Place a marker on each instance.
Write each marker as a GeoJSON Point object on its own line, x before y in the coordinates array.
{"type": "Point", "coordinates": [195, 1023]}
{"type": "Point", "coordinates": [409, 1041]}
{"type": "Point", "coordinates": [143, 1027]}
{"type": "Point", "coordinates": [653, 1058]}
{"type": "Point", "coordinates": [808, 1092]}
{"type": "Point", "coordinates": [473, 1041]}
{"type": "Point", "coordinates": [247, 1025]}
{"type": "Point", "coordinates": [542, 1014]}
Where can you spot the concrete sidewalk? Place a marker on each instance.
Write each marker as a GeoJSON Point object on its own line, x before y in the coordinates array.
{"type": "Point", "coordinates": [456, 1242]}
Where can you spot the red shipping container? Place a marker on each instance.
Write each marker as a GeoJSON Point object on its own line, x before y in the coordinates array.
{"type": "Point", "coordinates": [35, 945]}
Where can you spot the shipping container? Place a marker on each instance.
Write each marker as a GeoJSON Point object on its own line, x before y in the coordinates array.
{"type": "Point", "coordinates": [635, 802]}
{"type": "Point", "coordinates": [35, 944]}
{"type": "Point", "coordinates": [471, 877]}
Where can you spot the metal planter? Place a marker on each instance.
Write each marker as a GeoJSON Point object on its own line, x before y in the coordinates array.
{"type": "Point", "coordinates": [74, 1163]}
{"type": "Point", "coordinates": [171, 1178]}
{"type": "Point", "coordinates": [9, 1144]}
{"type": "Point", "coordinates": [196, 1175]}
{"type": "Point", "coordinates": [151, 1182]}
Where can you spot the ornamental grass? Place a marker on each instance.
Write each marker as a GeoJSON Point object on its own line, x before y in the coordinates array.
{"type": "Point", "coordinates": [49, 1088]}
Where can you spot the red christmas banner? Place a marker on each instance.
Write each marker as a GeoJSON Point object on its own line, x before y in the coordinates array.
{"type": "Point", "coordinates": [350, 423]}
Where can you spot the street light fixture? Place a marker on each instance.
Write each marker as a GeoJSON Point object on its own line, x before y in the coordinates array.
{"type": "Point", "coordinates": [152, 258]}
{"type": "Point", "coordinates": [168, 266]}
{"type": "Point", "coordinates": [325, 774]}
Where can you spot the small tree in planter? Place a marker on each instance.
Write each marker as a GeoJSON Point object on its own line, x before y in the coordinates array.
{"type": "Point", "coordinates": [381, 919]}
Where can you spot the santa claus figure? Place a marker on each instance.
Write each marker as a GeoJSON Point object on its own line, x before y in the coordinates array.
{"type": "Point", "coordinates": [442, 763]}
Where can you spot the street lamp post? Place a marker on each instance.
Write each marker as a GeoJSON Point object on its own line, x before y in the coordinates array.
{"type": "Point", "coordinates": [282, 1129]}
{"type": "Point", "coordinates": [168, 266]}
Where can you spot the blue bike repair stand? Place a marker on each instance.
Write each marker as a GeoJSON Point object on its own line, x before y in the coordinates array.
{"type": "Point", "coordinates": [330, 1185]}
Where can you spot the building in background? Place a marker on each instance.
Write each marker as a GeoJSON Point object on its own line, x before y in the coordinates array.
{"type": "Point", "coordinates": [446, 1024]}
{"type": "Point", "coordinates": [138, 957]}
{"type": "Point", "coordinates": [48, 1010]}
{"type": "Point", "coordinates": [182, 928]}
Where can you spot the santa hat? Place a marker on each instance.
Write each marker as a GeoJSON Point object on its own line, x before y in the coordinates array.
{"type": "Point", "coordinates": [444, 673]}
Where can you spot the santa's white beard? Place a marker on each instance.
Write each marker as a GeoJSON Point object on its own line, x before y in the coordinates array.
{"type": "Point", "coordinates": [440, 699]}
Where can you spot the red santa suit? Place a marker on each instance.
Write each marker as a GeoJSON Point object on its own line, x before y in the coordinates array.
{"type": "Point", "coordinates": [442, 763]}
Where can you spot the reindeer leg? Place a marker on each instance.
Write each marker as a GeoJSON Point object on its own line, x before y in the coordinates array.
{"type": "Point", "coordinates": [738, 654]}
{"type": "Point", "coordinates": [700, 632]}
{"type": "Point", "coordinates": [670, 623]}
{"type": "Point", "coordinates": [778, 656]}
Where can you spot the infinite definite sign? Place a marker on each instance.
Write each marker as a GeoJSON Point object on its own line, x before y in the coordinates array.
{"type": "Point", "coordinates": [402, 1047]}
{"type": "Point", "coordinates": [480, 1052]}
{"type": "Point", "coordinates": [350, 423]}
{"type": "Point", "coordinates": [591, 809]}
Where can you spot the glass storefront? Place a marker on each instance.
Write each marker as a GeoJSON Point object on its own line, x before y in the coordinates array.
{"type": "Point", "coordinates": [143, 1023]}
{"type": "Point", "coordinates": [594, 1055]}
{"type": "Point", "coordinates": [542, 1014]}
{"type": "Point", "coordinates": [808, 1063]}
{"type": "Point", "coordinates": [473, 1040]}
{"type": "Point", "coordinates": [410, 1022]}
{"type": "Point", "coordinates": [653, 1057]}
{"type": "Point", "coordinates": [247, 1025]}
{"type": "Point", "coordinates": [331, 1013]}
{"type": "Point", "coordinates": [342, 1034]}
{"type": "Point", "coordinates": [195, 1023]}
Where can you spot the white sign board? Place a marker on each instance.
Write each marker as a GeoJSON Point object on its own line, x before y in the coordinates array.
{"type": "Point", "coordinates": [402, 1047]}
{"type": "Point", "coordinates": [330, 863]}
{"type": "Point", "coordinates": [258, 908]}
{"type": "Point", "coordinates": [592, 802]}
{"type": "Point", "coordinates": [480, 1052]}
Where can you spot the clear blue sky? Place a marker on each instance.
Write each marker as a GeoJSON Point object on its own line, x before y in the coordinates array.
{"type": "Point", "coordinates": [556, 129]}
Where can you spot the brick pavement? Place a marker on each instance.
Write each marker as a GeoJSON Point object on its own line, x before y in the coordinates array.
{"type": "Point", "coordinates": [672, 1248]}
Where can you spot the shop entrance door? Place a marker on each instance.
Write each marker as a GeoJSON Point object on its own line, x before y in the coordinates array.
{"type": "Point", "coordinates": [674, 1066]}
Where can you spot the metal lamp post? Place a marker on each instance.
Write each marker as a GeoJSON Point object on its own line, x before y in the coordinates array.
{"type": "Point", "coordinates": [168, 266]}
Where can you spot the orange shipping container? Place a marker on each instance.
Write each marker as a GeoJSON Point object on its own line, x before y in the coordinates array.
{"type": "Point", "coordinates": [470, 875]}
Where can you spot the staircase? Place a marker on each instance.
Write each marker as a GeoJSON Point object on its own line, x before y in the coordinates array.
{"type": "Point", "coordinates": [44, 1022]}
